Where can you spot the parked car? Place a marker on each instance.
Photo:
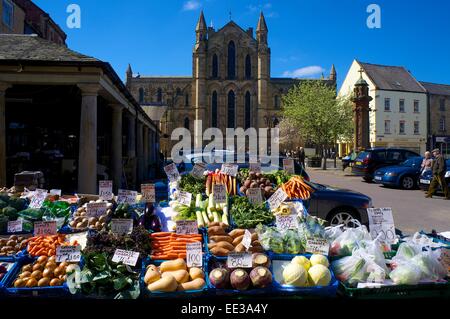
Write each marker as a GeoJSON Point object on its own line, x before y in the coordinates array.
{"type": "Point", "coordinates": [426, 177]}
{"type": "Point", "coordinates": [368, 161]}
{"type": "Point", "coordinates": [404, 175]}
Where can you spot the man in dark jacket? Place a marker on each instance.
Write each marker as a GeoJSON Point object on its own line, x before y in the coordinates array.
{"type": "Point", "coordinates": [439, 168]}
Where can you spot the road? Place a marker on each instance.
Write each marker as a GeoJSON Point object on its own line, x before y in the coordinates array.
{"type": "Point", "coordinates": [412, 211]}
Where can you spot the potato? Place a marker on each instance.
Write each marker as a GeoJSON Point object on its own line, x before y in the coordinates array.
{"type": "Point", "coordinates": [219, 251]}
{"type": "Point", "coordinates": [221, 238]}
{"type": "Point", "coordinates": [225, 244]}
{"type": "Point", "coordinates": [216, 231]}
{"type": "Point", "coordinates": [236, 233]}
{"type": "Point", "coordinates": [237, 240]}
{"type": "Point", "coordinates": [239, 248]}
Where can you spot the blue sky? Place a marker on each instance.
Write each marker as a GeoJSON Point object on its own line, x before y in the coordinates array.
{"type": "Point", "coordinates": [305, 37]}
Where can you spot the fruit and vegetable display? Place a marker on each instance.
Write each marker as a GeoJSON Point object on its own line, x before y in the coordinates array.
{"type": "Point", "coordinates": [168, 245]}
{"type": "Point", "coordinates": [247, 215]}
{"type": "Point", "coordinates": [257, 180]}
{"type": "Point", "coordinates": [218, 177]}
{"type": "Point", "coordinates": [10, 246]}
{"type": "Point", "coordinates": [46, 245]}
{"type": "Point", "coordinates": [221, 242]}
{"type": "Point", "coordinates": [81, 221]}
{"type": "Point", "coordinates": [192, 184]}
{"type": "Point", "coordinates": [297, 188]}
{"type": "Point", "coordinates": [9, 208]}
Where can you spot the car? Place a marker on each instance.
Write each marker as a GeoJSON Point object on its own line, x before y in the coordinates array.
{"type": "Point", "coordinates": [426, 177]}
{"type": "Point", "coordinates": [368, 161]}
{"type": "Point", "coordinates": [404, 175]}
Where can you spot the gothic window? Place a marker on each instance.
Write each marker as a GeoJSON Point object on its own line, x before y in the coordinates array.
{"type": "Point", "coordinates": [214, 109]}
{"type": "Point", "coordinates": [159, 95]}
{"type": "Point", "coordinates": [231, 109]}
{"type": "Point", "coordinates": [248, 110]}
{"type": "Point", "coordinates": [141, 95]}
{"type": "Point", "coordinates": [186, 123]}
{"type": "Point", "coordinates": [276, 102]}
{"type": "Point", "coordinates": [186, 100]}
{"type": "Point", "coordinates": [231, 60]}
{"type": "Point", "coordinates": [215, 66]}
{"type": "Point", "coordinates": [248, 67]}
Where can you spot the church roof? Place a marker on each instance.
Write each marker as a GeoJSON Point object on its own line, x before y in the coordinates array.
{"type": "Point", "coordinates": [201, 24]}
{"type": "Point", "coordinates": [231, 24]}
{"type": "Point", "coordinates": [437, 89]}
{"type": "Point", "coordinates": [262, 26]}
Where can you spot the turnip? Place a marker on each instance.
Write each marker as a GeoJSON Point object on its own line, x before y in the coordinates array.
{"type": "Point", "coordinates": [261, 277]}
{"type": "Point", "coordinates": [259, 259]}
{"type": "Point", "coordinates": [240, 279]}
{"type": "Point", "coordinates": [219, 278]}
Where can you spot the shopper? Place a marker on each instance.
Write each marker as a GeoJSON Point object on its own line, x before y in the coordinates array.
{"type": "Point", "coordinates": [301, 156]}
{"type": "Point", "coordinates": [439, 168]}
{"type": "Point", "coordinates": [426, 163]}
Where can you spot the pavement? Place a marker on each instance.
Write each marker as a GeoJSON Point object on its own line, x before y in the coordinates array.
{"type": "Point", "coordinates": [412, 211]}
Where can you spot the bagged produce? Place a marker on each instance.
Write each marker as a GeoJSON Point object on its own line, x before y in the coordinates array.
{"type": "Point", "coordinates": [429, 265]}
{"type": "Point", "coordinates": [331, 233]}
{"type": "Point", "coordinates": [292, 243]}
{"type": "Point", "coordinates": [351, 238]}
{"type": "Point", "coordinates": [270, 238]}
{"type": "Point", "coordinates": [406, 273]}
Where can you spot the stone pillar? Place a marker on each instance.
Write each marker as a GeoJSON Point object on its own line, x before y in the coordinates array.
{"type": "Point", "coordinates": [146, 161]}
{"type": "Point", "coordinates": [140, 153]}
{"type": "Point", "coordinates": [3, 88]}
{"type": "Point", "coordinates": [131, 146]}
{"type": "Point", "coordinates": [116, 143]}
{"type": "Point", "coordinates": [361, 109]}
{"type": "Point", "coordinates": [87, 157]}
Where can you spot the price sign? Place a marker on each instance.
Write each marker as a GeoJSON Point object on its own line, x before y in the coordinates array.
{"type": "Point", "coordinates": [105, 190]}
{"type": "Point", "coordinates": [247, 239]}
{"type": "Point", "coordinates": [381, 223]}
{"type": "Point", "coordinates": [194, 254]}
{"type": "Point", "coordinates": [288, 165]}
{"type": "Point", "coordinates": [254, 167]}
{"type": "Point", "coordinates": [96, 209]}
{"type": "Point", "coordinates": [254, 195]}
{"type": "Point", "coordinates": [285, 222]}
{"type": "Point", "coordinates": [172, 172]}
{"type": "Point", "coordinates": [184, 198]}
{"type": "Point", "coordinates": [239, 260]}
{"type": "Point", "coordinates": [229, 169]}
{"type": "Point", "coordinates": [56, 192]}
{"type": "Point", "coordinates": [186, 227]}
{"type": "Point", "coordinates": [125, 196]}
{"type": "Point", "coordinates": [127, 257]}
{"type": "Point", "coordinates": [68, 253]}
{"type": "Point", "coordinates": [219, 193]}
{"type": "Point", "coordinates": [317, 246]}
{"type": "Point", "coordinates": [45, 228]}
{"type": "Point", "coordinates": [121, 226]}
{"type": "Point", "coordinates": [198, 170]}
{"type": "Point", "coordinates": [38, 199]}
{"type": "Point", "coordinates": [148, 193]}
{"type": "Point", "coordinates": [15, 226]}
{"type": "Point", "coordinates": [277, 198]}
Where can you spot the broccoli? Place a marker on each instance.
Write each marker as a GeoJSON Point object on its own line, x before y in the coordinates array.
{"type": "Point", "coordinates": [3, 204]}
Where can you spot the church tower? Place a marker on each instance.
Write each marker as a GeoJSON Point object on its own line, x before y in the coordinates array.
{"type": "Point", "coordinates": [263, 73]}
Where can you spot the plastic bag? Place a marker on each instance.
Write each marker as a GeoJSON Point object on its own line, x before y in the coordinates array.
{"type": "Point", "coordinates": [350, 239]}
{"type": "Point", "coordinates": [429, 264]}
{"type": "Point", "coordinates": [374, 249]}
{"type": "Point", "coordinates": [292, 242]}
{"type": "Point", "coordinates": [333, 232]}
{"type": "Point", "coordinates": [350, 269]}
{"type": "Point", "coordinates": [270, 239]}
{"type": "Point", "coordinates": [406, 273]}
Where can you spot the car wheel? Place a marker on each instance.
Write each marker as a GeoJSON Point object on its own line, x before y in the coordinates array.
{"type": "Point", "coordinates": [407, 182]}
{"type": "Point", "coordinates": [367, 179]}
{"type": "Point", "coordinates": [342, 216]}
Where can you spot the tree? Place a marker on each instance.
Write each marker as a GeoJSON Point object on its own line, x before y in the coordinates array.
{"type": "Point", "coordinates": [289, 137]}
{"type": "Point", "coordinates": [316, 112]}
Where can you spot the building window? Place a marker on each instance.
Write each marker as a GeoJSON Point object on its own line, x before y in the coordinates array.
{"type": "Point", "coordinates": [215, 66]}
{"type": "Point", "coordinates": [178, 91]}
{"type": "Point", "coordinates": [387, 104]}
{"type": "Point", "coordinates": [442, 105]}
{"type": "Point", "coordinates": [401, 127]}
{"type": "Point", "coordinates": [8, 13]}
{"type": "Point", "coordinates": [159, 95]}
{"type": "Point", "coordinates": [416, 128]}
{"type": "Point", "coordinates": [442, 123]}
{"type": "Point", "coordinates": [248, 67]}
{"type": "Point", "coordinates": [214, 109]}
{"type": "Point", "coordinates": [416, 106]}
{"type": "Point", "coordinates": [248, 110]}
{"type": "Point", "coordinates": [231, 109]}
{"type": "Point", "coordinates": [231, 60]}
{"type": "Point", "coordinates": [276, 102]}
{"type": "Point", "coordinates": [387, 127]}
{"type": "Point", "coordinates": [186, 123]}
{"type": "Point", "coordinates": [141, 95]}
{"type": "Point", "coordinates": [401, 106]}
{"type": "Point", "coordinates": [186, 100]}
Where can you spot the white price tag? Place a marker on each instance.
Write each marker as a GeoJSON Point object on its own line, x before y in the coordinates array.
{"type": "Point", "coordinates": [186, 227]}
{"type": "Point", "coordinates": [121, 226]}
{"type": "Point", "coordinates": [38, 199]}
{"type": "Point", "coordinates": [68, 253]}
{"type": "Point", "coordinates": [254, 167]}
{"type": "Point", "coordinates": [105, 190]}
{"type": "Point", "coordinates": [229, 169]}
{"type": "Point", "coordinates": [198, 170]}
{"type": "Point", "coordinates": [317, 246]}
{"type": "Point", "coordinates": [286, 222]}
{"type": "Point", "coordinates": [247, 239]}
{"type": "Point", "coordinates": [45, 228]}
{"type": "Point", "coordinates": [15, 226]}
{"type": "Point", "coordinates": [148, 193]}
{"type": "Point", "coordinates": [55, 192]}
{"type": "Point", "coordinates": [381, 223]}
{"type": "Point", "coordinates": [194, 254]}
{"type": "Point", "coordinates": [96, 209]}
{"type": "Point", "coordinates": [254, 195]}
{"type": "Point", "coordinates": [288, 165]}
{"type": "Point", "coordinates": [239, 260]}
{"type": "Point", "coordinates": [125, 196]}
{"type": "Point", "coordinates": [219, 193]}
{"type": "Point", "coordinates": [172, 172]}
{"type": "Point", "coordinates": [127, 257]}
{"type": "Point", "coordinates": [184, 198]}
{"type": "Point", "coordinates": [277, 198]}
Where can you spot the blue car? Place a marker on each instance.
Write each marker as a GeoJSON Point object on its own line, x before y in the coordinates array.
{"type": "Point", "coordinates": [404, 175]}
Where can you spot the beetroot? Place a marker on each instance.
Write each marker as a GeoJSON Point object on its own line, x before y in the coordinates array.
{"type": "Point", "coordinates": [240, 279]}
{"type": "Point", "coordinates": [219, 278]}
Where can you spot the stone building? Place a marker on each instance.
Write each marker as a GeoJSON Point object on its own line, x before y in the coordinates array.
{"type": "Point", "coordinates": [231, 84]}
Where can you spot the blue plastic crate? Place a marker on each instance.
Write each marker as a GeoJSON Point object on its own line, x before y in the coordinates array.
{"type": "Point", "coordinates": [10, 260]}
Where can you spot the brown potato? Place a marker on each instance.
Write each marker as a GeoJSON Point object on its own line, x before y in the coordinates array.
{"type": "Point", "coordinates": [219, 251]}
{"type": "Point", "coordinates": [237, 240]}
{"type": "Point", "coordinates": [221, 238]}
{"type": "Point", "coordinates": [225, 244]}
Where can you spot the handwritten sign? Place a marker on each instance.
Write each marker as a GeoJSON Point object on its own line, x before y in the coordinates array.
{"type": "Point", "coordinates": [285, 222]}
{"type": "Point", "coordinates": [45, 228]}
{"type": "Point", "coordinates": [184, 198]}
{"type": "Point", "coordinates": [105, 190]}
{"type": "Point", "coordinates": [127, 257]}
{"type": "Point", "coordinates": [96, 209]}
{"type": "Point", "coordinates": [68, 254]}
{"type": "Point", "coordinates": [198, 170]}
{"type": "Point", "coordinates": [38, 199]}
{"type": "Point", "coordinates": [15, 226]}
{"type": "Point", "coordinates": [254, 167]}
{"type": "Point", "coordinates": [229, 169]}
{"type": "Point", "coordinates": [186, 227]}
{"type": "Point", "coordinates": [56, 192]}
{"type": "Point", "coordinates": [194, 254]}
{"type": "Point", "coordinates": [148, 193]}
{"type": "Point", "coordinates": [288, 165]}
{"type": "Point", "coordinates": [219, 193]}
{"type": "Point", "coordinates": [317, 246]}
{"type": "Point", "coordinates": [239, 260]}
{"type": "Point", "coordinates": [277, 198]}
{"type": "Point", "coordinates": [254, 195]}
{"type": "Point", "coordinates": [247, 239]}
{"type": "Point", "coordinates": [381, 223]}
{"type": "Point", "coordinates": [125, 196]}
{"type": "Point", "coordinates": [121, 226]}
{"type": "Point", "coordinates": [172, 172]}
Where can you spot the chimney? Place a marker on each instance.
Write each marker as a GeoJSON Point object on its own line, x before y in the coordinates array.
{"type": "Point", "coordinates": [250, 32]}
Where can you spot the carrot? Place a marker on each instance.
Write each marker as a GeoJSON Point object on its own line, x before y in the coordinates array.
{"type": "Point", "coordinates": [160, 234]}
{"type": "Point", "coordinates": [182, 256]}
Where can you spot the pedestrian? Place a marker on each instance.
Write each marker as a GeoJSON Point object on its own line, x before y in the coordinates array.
{"type": "Point", "coordinates": [426, 163]}
{"type": "Point", "coordinates": [439, 168]}
{"type": "Point", "coordinates": [301, 156]}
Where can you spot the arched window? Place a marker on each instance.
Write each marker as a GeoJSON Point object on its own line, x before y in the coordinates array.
{"type": "Point", "coordinates": [159, 95]}
{"type": "Point", "coordinates": [214, 109]}
{"type": "Point", "coordinates": [186, 100]}
{"type": "Point", "coordinates": [248, 110]}
{"type": "Point", "coordinates": [231, 60]}
{"type": "Point", "coordinates": [215, 66]}
{"type": "Point", "coordinates": [248, 67]}
{"type": "Point", "coordinates": [141, 95]}
{"type": "Point", "coordinates": [231, 109]}
{"type": "Point", "coordinates": [186, 123]}
{"type": "Point", "coordinates": [276, 102]}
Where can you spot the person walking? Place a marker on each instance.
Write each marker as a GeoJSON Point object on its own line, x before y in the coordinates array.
{"type": "Point", "coordinates": [426, 163]}
{"type": "Point", "coordinates": [439, 168]}
{"type": "Point", "coordinates": [301, 156]}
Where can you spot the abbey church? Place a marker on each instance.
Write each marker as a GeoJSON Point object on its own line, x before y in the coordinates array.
{"type": "Point", "coordinates": [231, 84]}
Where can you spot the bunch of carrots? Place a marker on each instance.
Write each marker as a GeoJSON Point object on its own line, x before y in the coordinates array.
{"type": "Point", "coordinates": [46, 245]}
{"type": "Point", "coordinates": [167, 245]}
{"type": "Point", "coordinates": [297, 188]}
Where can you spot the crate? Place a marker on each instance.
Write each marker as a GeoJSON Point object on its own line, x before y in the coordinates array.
{"type": "Point", "coordinates": [11, 261]}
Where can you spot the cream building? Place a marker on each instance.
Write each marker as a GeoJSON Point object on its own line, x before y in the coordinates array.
{"type": "Point", "coordinates": [398, 116]}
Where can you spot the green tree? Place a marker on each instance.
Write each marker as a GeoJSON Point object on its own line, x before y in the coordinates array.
{"type": "Point", "coordinates": [318, 114]}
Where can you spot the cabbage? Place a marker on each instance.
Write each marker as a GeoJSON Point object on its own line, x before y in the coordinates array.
{"type": "Point", "coordinates": [295, 275]}
{"type": "Point", "coordinates": [302, 261]}
{"type": "Point", "coordinates": [319, 275]}
{"type": "Point", "coordinates": [318, 259]}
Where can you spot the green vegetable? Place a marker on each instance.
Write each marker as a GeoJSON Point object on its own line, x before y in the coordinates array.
{"type": "Point", "coordinates": [122, 211]}
{"type": "Point", "coordinates": [10, 212]}
{"type": "Point", "coordinates": [186, 212]}
{"type": "Point", "coordinates": [3, 204]}
{"type": "Point", "coordinates": [18, 203]}
{"type": "Point", "coordinates": [247, 215]}
{"type": "Point", "coordinates": [193, 185]}
{"type": "Point", "coordinates": [292, 242]}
